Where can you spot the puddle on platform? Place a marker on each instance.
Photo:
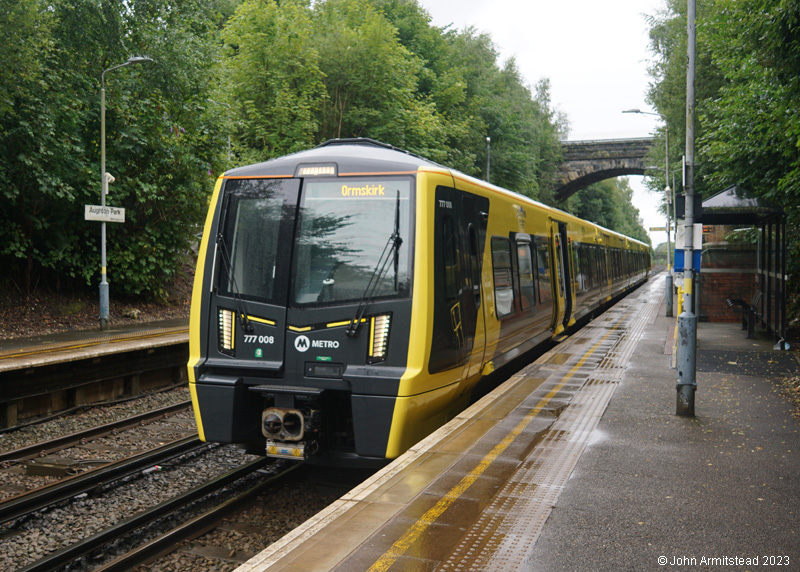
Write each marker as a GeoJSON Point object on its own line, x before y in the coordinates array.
{"type": "Point", "coordinates": [559, 358]}
{"type": "Point", "coordinates": [597, 436]}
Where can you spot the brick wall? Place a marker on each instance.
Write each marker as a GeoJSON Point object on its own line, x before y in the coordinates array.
{"type": "Point", "coordinates": [716, 288]}
{"type": "Point", "coordinates": [727, 271]}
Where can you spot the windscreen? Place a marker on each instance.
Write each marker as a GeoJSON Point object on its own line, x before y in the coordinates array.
{"type": "Point", "coordinates": [256, 239]}
{"type": "Point", "coordinates": [352, 231]}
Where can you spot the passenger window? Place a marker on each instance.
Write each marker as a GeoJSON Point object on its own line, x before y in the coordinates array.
{"type": "Point", "coordinates": [588, 265]}
{"type": "Point", "coordinates": [503, 284]}
{"type": "Point", "coordinates": [527, 295]}
{"type": "Point", "coordinates": [450, 252]}
{"type": "Point", "coordinates": [543, 272]}
{"type": "Point", "coordinates": [576, 248]}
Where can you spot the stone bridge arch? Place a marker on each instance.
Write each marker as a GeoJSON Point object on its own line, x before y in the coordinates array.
{"type": "Point", "coordinates": [587, 162]}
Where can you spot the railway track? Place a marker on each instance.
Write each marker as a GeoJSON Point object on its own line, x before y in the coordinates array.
{"type": "Point", "coordinates": [59, 443]}
{"type": "Point", "coordinates": [163, 505]}
{"type": "Point", "coordinates": [28, 503]}
{"type": "Point", "coordinates": [173, 507]}
{"type": "Point", "coordinates": [170, 541]}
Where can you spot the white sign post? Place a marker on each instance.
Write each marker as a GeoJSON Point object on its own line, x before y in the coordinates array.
{"type": "Point", "coordinates": [103, 213]}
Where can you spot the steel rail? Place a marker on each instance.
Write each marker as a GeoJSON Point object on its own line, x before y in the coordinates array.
{"type": "Point", "coordinates": [59, 443]}
{"type": "Point", "coordinates": [166, 543]}
{"type": "Point", "coordinates": [61, 558]}
{"type": "Point", "coordinates": [27, 503]}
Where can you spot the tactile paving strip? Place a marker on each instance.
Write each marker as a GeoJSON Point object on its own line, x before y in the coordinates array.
{"type": "Point", "coordinates": [504, 535]}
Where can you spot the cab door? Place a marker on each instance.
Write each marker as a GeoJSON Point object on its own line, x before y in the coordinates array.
{"type": "Point", "coordinates": [562, 295]}
{"type": "Point", "coordinates": [250, 274]}
{"type": "Point", "coordinates": [474, 212]}
{"type": "Point", "coordinates": [458, 324]}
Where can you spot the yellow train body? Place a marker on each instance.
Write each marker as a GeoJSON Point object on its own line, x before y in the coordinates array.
{"type": "Point", "coordinates": [481, 276]}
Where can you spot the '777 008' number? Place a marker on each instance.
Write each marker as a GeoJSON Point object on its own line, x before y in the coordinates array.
{"type": "Point", "coordinates": [249, 339]}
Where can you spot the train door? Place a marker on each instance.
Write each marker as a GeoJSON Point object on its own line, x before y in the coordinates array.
{"type": "Point", "coordinates": [562, 291]}
{"type": "Point", "coordinates": [459, 238]}
{"type": "Point", "coordinates": [474, 213]}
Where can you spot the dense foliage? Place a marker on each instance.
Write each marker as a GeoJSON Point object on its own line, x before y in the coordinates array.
{"type": "Point", "coordinates": [232, 82]}
{"type": "Point", "coordinates": [748, 98]}
{"type": "Point", "coordinates": [608, 203]}
{"type": "Point", "coordinates": [162, 140]}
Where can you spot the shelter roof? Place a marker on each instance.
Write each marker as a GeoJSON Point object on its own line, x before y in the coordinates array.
{"type": "Point", "coordinates": [736, 205]}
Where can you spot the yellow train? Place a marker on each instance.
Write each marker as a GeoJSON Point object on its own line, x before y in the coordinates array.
{"type": "Point", "coordinates": [349, 298]}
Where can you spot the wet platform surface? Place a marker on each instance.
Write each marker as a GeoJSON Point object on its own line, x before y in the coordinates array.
{"type": "Point", "coordinates": [579, 463]}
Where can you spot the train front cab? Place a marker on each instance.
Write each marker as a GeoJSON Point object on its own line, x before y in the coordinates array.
{"type": "Point", "coordinates": [293, 351]}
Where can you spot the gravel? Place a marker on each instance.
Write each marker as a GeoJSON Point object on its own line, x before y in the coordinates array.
{"type": "Point", "coordinates": [90, 417]}
{"type": "Point", "coordinates": [243, 535]}
{"type": "Point", "coordinates": [249, 532]}
{"type": "Point", "coordinates": [27, 541]}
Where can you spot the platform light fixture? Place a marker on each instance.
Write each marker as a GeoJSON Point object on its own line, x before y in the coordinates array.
{"type": "Point", "coordinates": [105, 179]}
{"type": "Point", "coordinates": [488, 157]}
{"type": "Point", "coordinates": [668, 192]}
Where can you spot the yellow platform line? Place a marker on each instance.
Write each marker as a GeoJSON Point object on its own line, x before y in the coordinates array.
{"type": "Point", "coordinates": [423, 523]}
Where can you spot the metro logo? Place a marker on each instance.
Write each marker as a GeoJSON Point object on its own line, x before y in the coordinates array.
{"type": "Point", "coordinates": [324, 344]}
{"type": "Point", "coordinates": [302, 344]}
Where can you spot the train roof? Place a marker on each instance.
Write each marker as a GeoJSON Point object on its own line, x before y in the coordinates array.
{"type": "Point", "coordinates": [372, 157]}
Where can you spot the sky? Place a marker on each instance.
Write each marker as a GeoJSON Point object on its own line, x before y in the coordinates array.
{"type": "Point", "coordinates": [595, 54]}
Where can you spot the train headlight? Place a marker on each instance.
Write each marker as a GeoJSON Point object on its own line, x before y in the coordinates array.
{"type": "Point", "coordinates": [379, 337]}
{"type": "Point", "coordinates": [226, 331]}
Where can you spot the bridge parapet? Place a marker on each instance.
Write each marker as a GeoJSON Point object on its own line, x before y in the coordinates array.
{"type": "Point", "coordinates": [587, 162]}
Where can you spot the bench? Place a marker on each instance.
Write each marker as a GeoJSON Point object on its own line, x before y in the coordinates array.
{"type": "Point", "coordinates": [750, 312]}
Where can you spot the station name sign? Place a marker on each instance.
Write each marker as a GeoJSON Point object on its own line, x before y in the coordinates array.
{"type": "Point", "coordinates": [104, 214]}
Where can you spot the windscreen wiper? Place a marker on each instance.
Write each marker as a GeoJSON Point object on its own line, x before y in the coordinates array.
{"type": "Point", "coordinates": [237, 297]}
{"type": "Point", "coordinates": [392, 247]}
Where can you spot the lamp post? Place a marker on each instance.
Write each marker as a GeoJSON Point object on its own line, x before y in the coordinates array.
{"type": "Point", "coordinates": [668, 194]}
{"type": "Point", "coordinates": [687, 321]}
{"type": "Point", "coordinates": [488, 157]}
{"type": "Point", "coordinates": [105, 178]}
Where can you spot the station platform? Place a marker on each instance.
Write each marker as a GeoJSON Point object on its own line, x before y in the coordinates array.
{"type": "Point", "coordinates": [27, 352]}
{"type": "Point", "coordinates": [43, 375]}
{"type": "Point", "coordinates": [579, 463]}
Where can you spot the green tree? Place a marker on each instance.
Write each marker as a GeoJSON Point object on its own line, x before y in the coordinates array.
{"type": "Point", "coordinates": [752, 126]}
{"type": "Point", "coordinates": [748, 94]}
{"type": "Point", "coordinates": [271, 79]}
{"type": "Point", "coordinates": [166, 140]}
{"type": "Point", "coordinates": [371, 79]}
{"type": "Point", "coordinates": [26, 30]}
{"type": "Point", "coordinates": [161, 143]}
{"type": "Point", "coordinates": [40, 136]}
{"type": "Point", "coordinates": [269, 76]}
{"type": "Point", "coordinates": [667, 92]}
{"type": "Point", "coordinates": [609, 203]}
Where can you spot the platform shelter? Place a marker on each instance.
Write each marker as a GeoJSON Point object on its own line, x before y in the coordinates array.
{"type": "Point", "coordinates": [743, 258]}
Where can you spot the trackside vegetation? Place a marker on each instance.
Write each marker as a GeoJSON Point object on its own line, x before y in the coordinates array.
{"type": "Point", "coordinates": [748, 102]}
{"type": "Point", "coordinates": [233, 82]}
